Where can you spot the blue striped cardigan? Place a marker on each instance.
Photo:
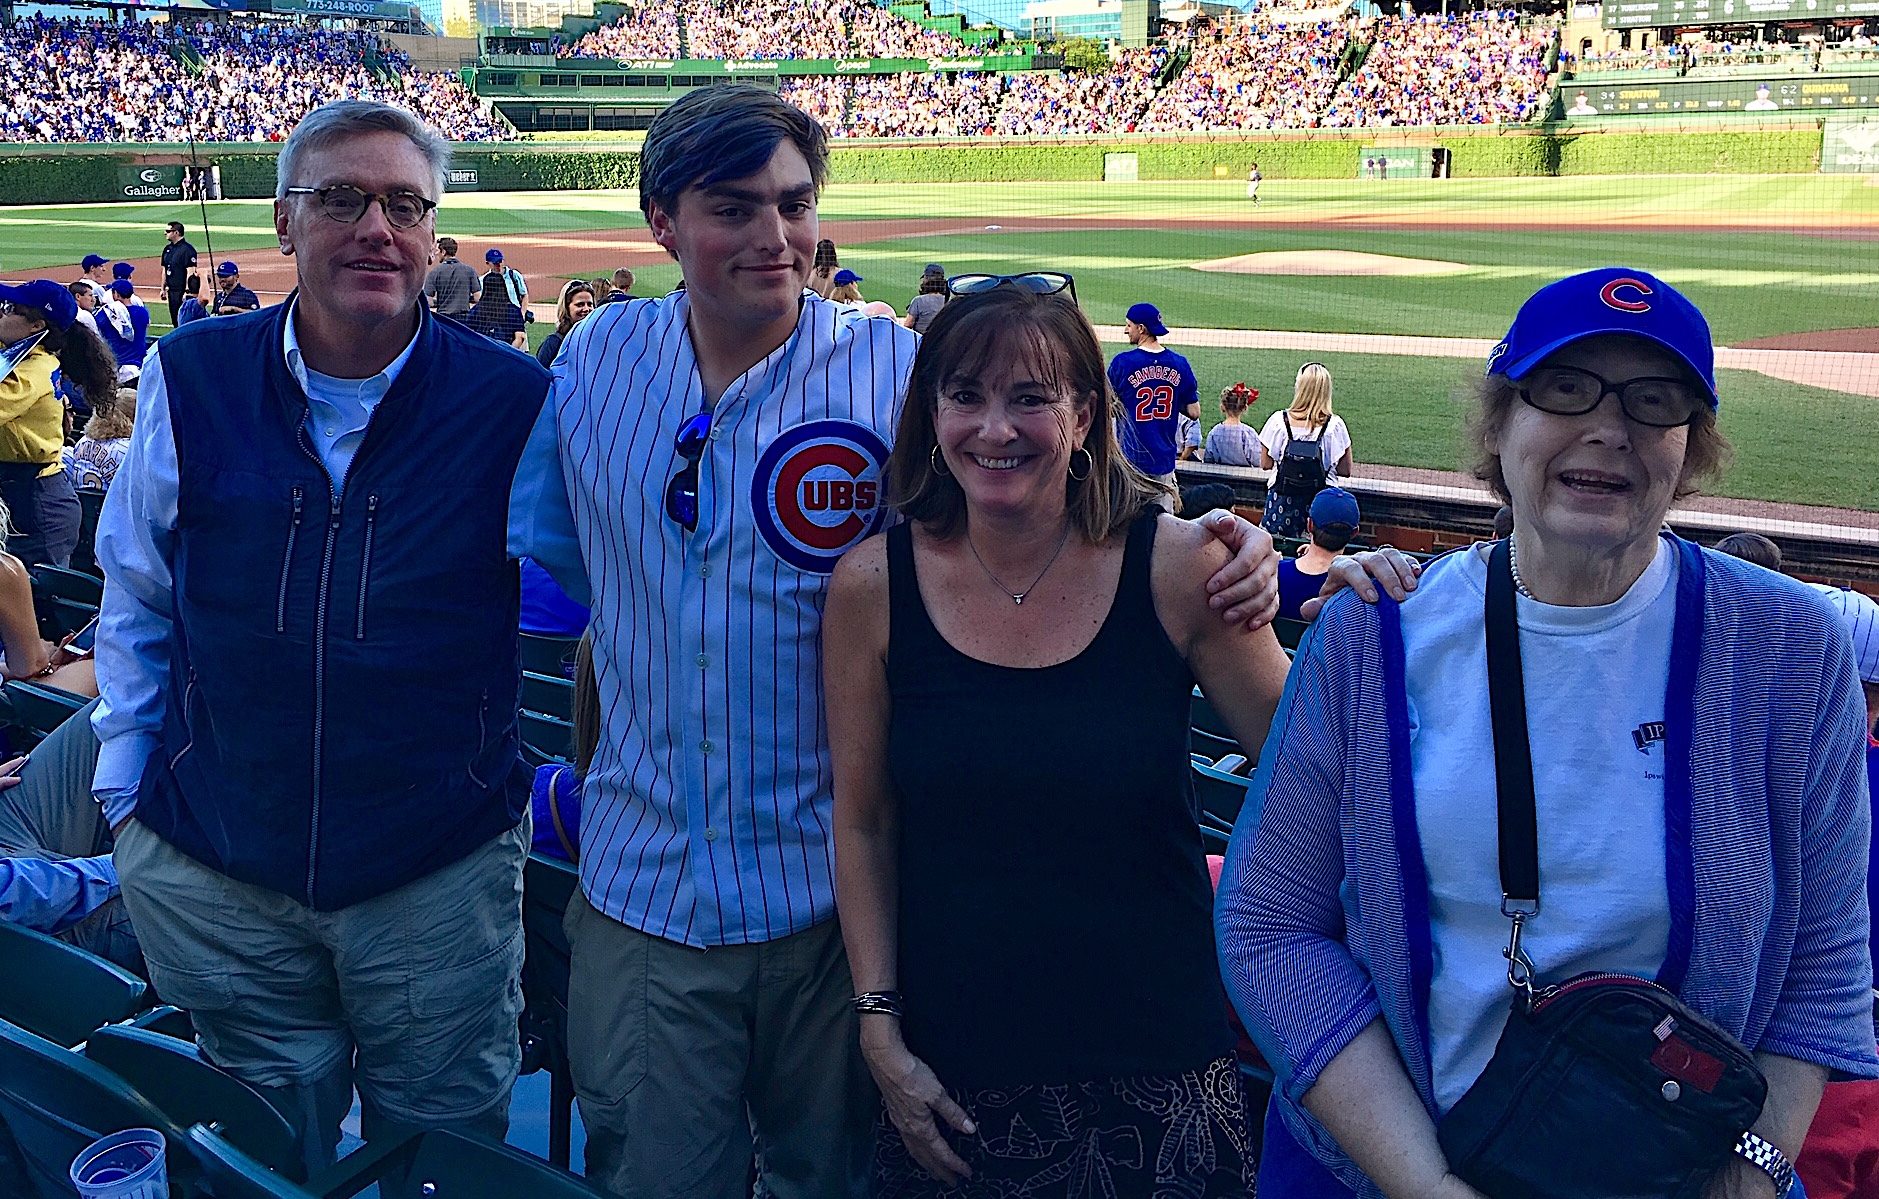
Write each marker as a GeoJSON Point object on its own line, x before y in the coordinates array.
{"type": "Point", "coordinates": [1323, 909]}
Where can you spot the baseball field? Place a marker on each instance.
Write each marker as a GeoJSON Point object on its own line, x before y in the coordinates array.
{"type": "Point", "coordinates": [1399, 287]}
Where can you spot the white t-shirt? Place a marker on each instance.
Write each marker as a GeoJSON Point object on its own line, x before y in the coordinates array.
{"type": "Point", "coordinates": [1595, 683]}
{"type": "Point", "coordinates": [1337, 439]}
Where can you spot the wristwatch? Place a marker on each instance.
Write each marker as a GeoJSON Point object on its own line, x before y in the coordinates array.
{"type": "Point", "coordinates": [1768, 1159]}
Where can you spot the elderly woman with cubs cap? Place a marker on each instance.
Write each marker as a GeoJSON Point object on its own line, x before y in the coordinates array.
{"type": "Point", "coordinates": [40, 333]}
{"type": "Point", "coordinates": [1698, 786]}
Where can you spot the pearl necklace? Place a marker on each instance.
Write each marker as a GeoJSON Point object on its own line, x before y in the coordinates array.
{"type": "Point", "coordinates": [1513, 567]}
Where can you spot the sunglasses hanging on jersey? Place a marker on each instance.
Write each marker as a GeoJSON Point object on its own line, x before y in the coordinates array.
{"type": "Point", "coordinates": [681, 494]}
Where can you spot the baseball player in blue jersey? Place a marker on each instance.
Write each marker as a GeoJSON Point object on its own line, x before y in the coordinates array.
{"type": "Point", "coordinates": [703, 461]}
{"type": "Point", "coordinates": [1157, 388]}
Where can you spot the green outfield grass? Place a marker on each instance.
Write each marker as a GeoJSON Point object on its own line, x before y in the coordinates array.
{"type": "Point", "coordinates": [1794, 443]}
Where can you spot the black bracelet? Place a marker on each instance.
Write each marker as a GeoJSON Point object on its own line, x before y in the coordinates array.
{"type": "Point", "coordinates": [877, 1003]}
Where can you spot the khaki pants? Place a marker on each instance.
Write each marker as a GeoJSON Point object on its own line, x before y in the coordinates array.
{"type": "Point", "coordinates": [414, 995]}
{"type": "Point", "coordinates": [685, 1060]}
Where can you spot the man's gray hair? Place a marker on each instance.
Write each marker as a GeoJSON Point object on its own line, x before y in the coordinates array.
{"type": "Point", "coordinates": [332, 123]}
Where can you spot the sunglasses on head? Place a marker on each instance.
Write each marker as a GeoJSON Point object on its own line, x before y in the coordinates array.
{"type": "Point", "coordinates": [681, 494]}
{"type": "Point", "coordinates": [1043, 283]}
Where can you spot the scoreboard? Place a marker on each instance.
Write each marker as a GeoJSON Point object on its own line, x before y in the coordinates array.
{"type": "Point", "coordinates": [1659, 14]}
{"type": "Point", "coordinates": [1795, 94]}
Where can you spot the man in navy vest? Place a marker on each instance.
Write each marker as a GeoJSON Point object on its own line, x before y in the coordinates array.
{"type": "Point", "coordinates": [308, 663]}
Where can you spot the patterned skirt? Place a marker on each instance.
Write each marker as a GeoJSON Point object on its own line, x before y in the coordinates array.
{"type": "Point", "coordinates": [1284, 515]}
{"type": "Point", "coordinates": [1164, 1136]}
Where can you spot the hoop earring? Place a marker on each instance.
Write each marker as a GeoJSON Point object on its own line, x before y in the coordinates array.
{"type": "Point", "coordinates": [939, 463]}
{"type": "Point", "coordinates": [1089, 463]}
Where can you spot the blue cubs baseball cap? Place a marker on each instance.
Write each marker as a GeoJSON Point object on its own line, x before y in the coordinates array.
{"type": "Point", "coordinates": [92, 260]}
{"type": "Point", "coordinates": [227, 270]}
{"type": "Point", "coordinates": [122, 270]}
{"type": "Point", "coordinates": [1335, 506]}
{"type": "Point", "coordinates": [122, 287]}
{"type": "Point", "coordinates": [1148, 317]}
{"type": "Point", "coordinates": [52, 301]}
{"type": "Point", "coordinates": [1613, 299]}
{"type": "Point", "coordinates": [493, 256]}
{"type": "Point", "coordinates": [845, 276]}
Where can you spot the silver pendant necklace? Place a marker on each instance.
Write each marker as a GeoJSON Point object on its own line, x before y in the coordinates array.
{"type": "Point", "coordinates": [1017, 597]}
{"type": "Point", "coordinates": [1513, 568]}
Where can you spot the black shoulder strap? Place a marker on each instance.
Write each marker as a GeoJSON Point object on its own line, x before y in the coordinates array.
{"type": "Point", "coordinates": [1513, 754]}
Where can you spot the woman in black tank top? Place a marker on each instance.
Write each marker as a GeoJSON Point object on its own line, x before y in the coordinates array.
{"type": "Point", "coordinates": [1021, 882]}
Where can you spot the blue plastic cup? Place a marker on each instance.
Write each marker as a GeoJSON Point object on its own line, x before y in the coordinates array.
{"type": "Point", "coordinates": [124, 1165]}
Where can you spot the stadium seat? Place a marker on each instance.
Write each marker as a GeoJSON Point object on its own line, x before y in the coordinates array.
{"type": "Point", "coordinates": [84, 555]}
{"type": "Point", "coordinates": [1220, 794]}
{"type": "Point", "coordinates": [1222, 752]}
{"type": "Point", "coordinates": [67, 584]}
{"type": "Point", "coordinates": [60, 992]}
{"type": "Point", "coordinates": [32, 711]}
{"type": "Point", "coordinates": [54, 1104]}
{"type": "Point", "coordinates": [185, 1086]}
{"type": "Point", "coordinates": [1289, 632]}
{"type": "Point", "coordinates": [551, 695]}
{"type": "Point", "coordinates": [548, 887]}
{"type": "Point", "coordinates": [434, 1165]}
{"type": "Point", "coordinates": [546, 739]}
{"type": "Point", "coordinates": [551, 656]}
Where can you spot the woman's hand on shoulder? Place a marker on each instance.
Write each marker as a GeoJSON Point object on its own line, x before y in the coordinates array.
{"type": "Point", "coordinates": [917, 1103]}
{"type": "Point", "coordinates": [1244, 588]}
{"type": "Point", "coordinates": [1391, 569]}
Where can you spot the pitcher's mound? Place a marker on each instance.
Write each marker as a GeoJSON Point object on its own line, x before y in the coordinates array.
{"type": "Point", "coordinates": [1328, 262]}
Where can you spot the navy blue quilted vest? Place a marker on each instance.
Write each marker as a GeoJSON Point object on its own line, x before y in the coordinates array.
{"type": "Point", "coordinates": [341, 712]}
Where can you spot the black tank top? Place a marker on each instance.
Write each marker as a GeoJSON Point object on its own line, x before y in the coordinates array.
{"type": "Point", "coordinates": [1056, 918]}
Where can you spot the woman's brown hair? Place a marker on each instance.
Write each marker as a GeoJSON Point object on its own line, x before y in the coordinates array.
{"type": "Point", "coordinates": [1051, 334]}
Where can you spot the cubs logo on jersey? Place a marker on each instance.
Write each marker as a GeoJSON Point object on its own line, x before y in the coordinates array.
{"type": "Point", "coordinates": [818, 492]}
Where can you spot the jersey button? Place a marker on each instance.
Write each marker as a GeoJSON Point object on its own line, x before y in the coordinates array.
{"type": "Point", "coordinates": [711, 834]}
{"type": "Point", "coordinates": [704, 747]}
{"type": "Point", "coordinates": [704, 572]}
{"type": "Point", "coordinates": [704, 660]}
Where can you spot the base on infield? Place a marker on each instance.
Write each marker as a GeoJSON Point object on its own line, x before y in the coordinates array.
{"type": "Point", "coordinates": [1327, 262]}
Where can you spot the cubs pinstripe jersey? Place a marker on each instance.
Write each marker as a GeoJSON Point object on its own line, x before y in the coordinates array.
{"type": "Point", "coordinates": [707, 811]}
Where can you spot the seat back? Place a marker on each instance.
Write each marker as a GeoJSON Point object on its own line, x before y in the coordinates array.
{"type": "Point", "coordinates": [59, 991]}
{"type": "Point", "coordinates": [1221, 796]}
{"type": "Point", "coordinates": [175, 1077]}
{"type": "Point", "coordinates": [548, 887]}
{"type": "Point", "coordinates": [552, 656]}
{"type": "Point", "coordinates": [54, 1104]}
{"type": "Point", "coordinates": [34, 711]}
{"type": "Point", "coordinates": [549, 695]}
{"type": "Point", "coordinates": [1289, 632]}
{"type": "Point", "coordinates": [84, 554]}
{"type": "Point", "coordinates": [550, 738]}
{"type": "Point", "coordinates": [232, 1174]}
{"type": "Point", "coordinates": [67, 584]}
{"type": "Point", "coordinates": [448, 1164]}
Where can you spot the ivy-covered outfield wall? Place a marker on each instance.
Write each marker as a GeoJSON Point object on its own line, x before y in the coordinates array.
{"type": "Point", "coordinates": [54, 175]}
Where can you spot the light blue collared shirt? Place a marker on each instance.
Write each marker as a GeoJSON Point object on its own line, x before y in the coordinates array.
{"type": "Point", "coordinates": [136, 544]}
{"type": "Point", "coordinates": [50, 897]}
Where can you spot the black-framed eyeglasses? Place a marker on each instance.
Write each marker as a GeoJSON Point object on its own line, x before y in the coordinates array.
{"type": "Point", "coordinates": [1044, 283]}
{"type": "Point", "coordinates": [681, 494]}
{"type": "Point", "coordinates": [1569, 391]}
{"type": "Point", "coordinates": [346, 204]}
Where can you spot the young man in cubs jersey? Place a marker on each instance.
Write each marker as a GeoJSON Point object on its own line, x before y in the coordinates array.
{"type": "Point", "coordinates": [1157, 388]}
{"type": "Point", "coordinates": [703, 461]}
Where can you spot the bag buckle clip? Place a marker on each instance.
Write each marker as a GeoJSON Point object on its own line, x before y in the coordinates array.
{"type": "Point", "coordinates": [1519, 965]}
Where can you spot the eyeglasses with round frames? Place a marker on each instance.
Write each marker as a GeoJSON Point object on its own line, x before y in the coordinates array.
{"type": "Point", "coordinates": [346, 204]}
{"type": "Point", "coordinates": [1044, 283]}
{"type": "Point", "coordinates": [1569, 391]}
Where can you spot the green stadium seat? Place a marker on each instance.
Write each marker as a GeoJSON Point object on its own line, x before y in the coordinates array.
{"type": "Point", "coordinates": [67, 584]}
{"type": "Point", "coordinates": [84, 555]}
{"type": "Point", "coordinates": [59, 991]}
{"type": "Point", "coordinates": [551, 656]}
{"type": "Point", "coordinates": [549, 695]}
{"type": "Point", "coordinates": [1289, 632]}
{"type": "Point", "coordinates": [1220, 794]}
{"type": "Point", "coordinates": [32, 710]}
{"type": "Point", "coordinates": [546, 738]}
{"type": "Point", "coordinates": [548, 887]}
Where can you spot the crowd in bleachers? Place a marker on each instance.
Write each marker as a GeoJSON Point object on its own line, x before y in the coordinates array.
{"type": "Point", "coordinates": [781, 30]}
{"type": "Point", "coordinates": [1429, 71]}
{"type": "Point", "coordinates": [73, 81]}
{"type": "Point", "coordinates": [1253, 77]}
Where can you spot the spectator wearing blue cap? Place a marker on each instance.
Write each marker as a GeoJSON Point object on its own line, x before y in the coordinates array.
{"type": "Point", "coordinates": [40, 333]}
{"type": "Point", "coordinates": [126, 331]}
{"type": "Point", "coordinates": [91, 273]}
{"type": "Point", "coordinates": [845, 288]}
{"type": "Point", "coordinates": [231, 296]}
{"type": "Point", "coordinates": [121, 272]}
{"type": "Point", "coordinates": [513, 285]}
{"type": "Point", "coordinates": [1157, 387]}
{"type": "Point", "coordinates": [1698, 775]}
{"type": "Point", "coordinates": [1330, 526]}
